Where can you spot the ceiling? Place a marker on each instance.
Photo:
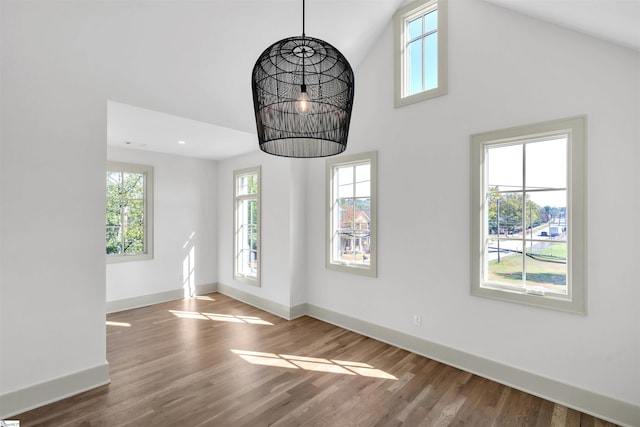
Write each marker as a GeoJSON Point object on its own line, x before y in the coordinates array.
{"type": "Point", "coordinates": [180, 71]}
{"type": "Point", "coordinates": [617, 21]}
{"type": "Point", "coordinates": [142, 129]}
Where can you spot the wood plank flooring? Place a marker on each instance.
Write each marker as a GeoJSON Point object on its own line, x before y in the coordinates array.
{"type": "Point", "coordinates": [214, 361]}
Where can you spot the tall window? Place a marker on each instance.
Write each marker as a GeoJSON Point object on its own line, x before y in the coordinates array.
{"type": "Point", "coordinates": [421, 51]}
{"type": "Point", "coordinates": [246, 265]}
{"type": "Point", "coordinates": [129, 212]}
{"type": "Point", "coordinates": [529, 214]}
{"type": "Point", "coordinates": [352, 218]}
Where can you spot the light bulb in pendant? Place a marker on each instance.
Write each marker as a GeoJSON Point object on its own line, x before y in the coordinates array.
{"type": "Point", "coordinates": [303, 103]}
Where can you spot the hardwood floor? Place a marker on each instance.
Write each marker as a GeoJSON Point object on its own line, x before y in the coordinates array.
{"type": "Point", "coordinates": [214, 361]}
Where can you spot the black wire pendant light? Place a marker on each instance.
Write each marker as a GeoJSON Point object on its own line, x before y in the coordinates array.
{"type": "Point", "coordinates": [302, 96]}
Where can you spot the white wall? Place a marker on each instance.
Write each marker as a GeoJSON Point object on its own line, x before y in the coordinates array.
{"type": "Point", "coordinates": [504, 70]}
{"type": "Point", "coordinates": [298, 241]}
{"type": "Point", "coordinates": [52, 283]}
{"type": "Point", "coordinates": [282, 235]}
{"type": "Point", "coordinates": [185, 227]}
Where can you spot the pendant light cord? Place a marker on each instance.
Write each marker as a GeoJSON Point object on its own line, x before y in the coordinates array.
{"type": "Point", "coordinates": [304, 51]}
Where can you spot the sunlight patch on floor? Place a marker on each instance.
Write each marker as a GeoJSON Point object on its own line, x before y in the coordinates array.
{"type": "Point", "coordinates": [232, 318]}
{"type": "Point", "coordinates": [123, 324]}
{"type": "Point", "coordinates": [315, 364]}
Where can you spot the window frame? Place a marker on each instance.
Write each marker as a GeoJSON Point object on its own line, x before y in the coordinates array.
{"type": "Point", "coordinates": [332, 164]}
{"type": "Point", "coordinates": [147, 171]}
{"type": "Point", "coordinates": [576, 131]}
{"type": "Point", "coordinates": [237, 199]}
{"type": "Point", "coordinates": [401, 19]}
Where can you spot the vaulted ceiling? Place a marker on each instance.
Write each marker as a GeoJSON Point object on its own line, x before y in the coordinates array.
{"type": "Point", "coordinates": [194, 60]}
{"type": "Point", "coordinates": [181, 70]}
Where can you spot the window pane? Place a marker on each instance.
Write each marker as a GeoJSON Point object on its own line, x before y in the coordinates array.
{"type": "Point", "coordinates": [431, 21]}
{"type": "Point", "coordinates": [252, 184]}
{"type": "Point", "coordinates": [247, 184]}
{"type": "Point", "coordinates": [431, 61]}
{"type": "Point", "coordinates": [363, 172]}
{"type": "Point", "coordinates": [113, 212]}
{"type": "Point", "coordinates": [552, 213]}
{"type": "Point", "coordinates": [345, 214]}
{"type": "Point", "coordinates": [251, 207]}
{"type": "Point", "coordinates": [345, 175]}
{"type": "Point", "coordinates": [503, 265]}
{"type": "Point", "coordinates": [133, 185]}
{"type": "Point", "coordinates": [415, 67]}
{"type": "Point", "coordinates": [113, 240]}
{"type": "Point", "coordinates": [345, 190]}
{"type": "Point", "coordinates": [134, 237]}
{"type": "Point", "coordinates": [362, 216]}
{"type": "Point", "coordinates": [345, 181]}
{"type": "Point", "coordinates": [241, 188]}
{"type": "Point", "coordinates": [250, 251]}
{"type": "Point", "coordinates": [505, 214]}
{"type": "Point", "coordinates": [345, 229]}
{"type": "Point", "coordinates": [557, 199]}
{"type": "Point", "coordinates": [133, 246]}
{"type": "Point", "coordinates": [134, 210]}
{"type": "Point", "coordinates": [114, 179]}
{"type": "Point", "coordinates": [533, 223]}
{"type": "Point", "coordinates": [495, 217]}
{"type": "Point", "coordinates": [415, 28]}
{"type": "Point", "coordinates": [363, 189]}
{"type": "Point", "coordinates": [546, 266]}
{"type": "Point", "coordinates": [363, 183]}
{"type": "Point", "coordinates": [546, 164]}
{"type": "Point", "coordinates": [505, 167]}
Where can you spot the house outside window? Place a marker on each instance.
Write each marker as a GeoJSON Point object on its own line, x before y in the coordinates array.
{"type": "Point", "coordinates": [352, 213]}
{"type": "Point", "coordinates": [246, 263]}
{"type": "Point", "coordinates": [529, 214]}
{"type": "Point", "coordinates": [420, 51]}
{"type": "Point", "coordinates": [129, 213]}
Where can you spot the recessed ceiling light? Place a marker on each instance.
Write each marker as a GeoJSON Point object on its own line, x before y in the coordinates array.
{"type": "Point", "coordinates": [181, 142]}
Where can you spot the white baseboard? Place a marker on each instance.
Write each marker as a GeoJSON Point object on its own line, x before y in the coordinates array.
{"type": "Point", "coordinates": [259, 302]}
{"type": "Point", "coordinates": [600, 406]}
{"type": "Point", "coordinates": [41, 394]}
{"type": "Point", "coordinates": [298, 311]}
{"type": "Point", "coordinates": [145, 300]}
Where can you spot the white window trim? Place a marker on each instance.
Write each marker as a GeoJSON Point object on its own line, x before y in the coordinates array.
{"type": "Point", "coordinates": [576, 129]}
{"type": "Point", "coordinates": [372, 158]}
{"type": "Point", "coordinates": [237, 173]}
{"type": "Point", "coordinates": [148, 211]}
{"type": "Point", "coordinates": [400, 18]}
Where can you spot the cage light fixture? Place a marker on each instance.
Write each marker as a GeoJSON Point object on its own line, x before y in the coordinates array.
{"type": "Point", "coordinates": [303, 91]}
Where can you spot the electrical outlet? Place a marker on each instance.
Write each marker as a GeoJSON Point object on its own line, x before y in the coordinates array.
{"type": "Point", "coordinates": [417, 319]}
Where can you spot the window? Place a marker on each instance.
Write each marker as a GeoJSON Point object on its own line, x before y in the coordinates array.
{"type": "Point", "coordinates": [529, 214]}
{"type": "Point", "coordinates": [246, 264]}
{"type": "Point", "coordinates": [129, 219]}
{"type": "Point", "coordinates": [352, 218]}
{"type": "Point", "coordinates": [420, 51]}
